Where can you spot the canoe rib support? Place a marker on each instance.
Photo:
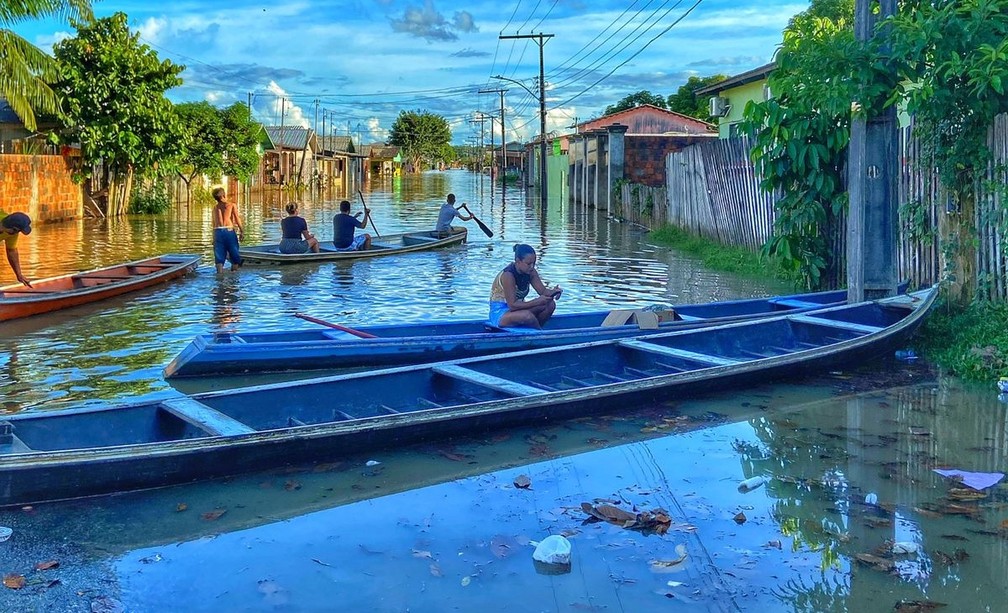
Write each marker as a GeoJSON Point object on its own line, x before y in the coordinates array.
{"type": "Point", "coordinates": [682, 354]}
{"type": "Point", "coordinates": [210, 420]}
{"type": "Point", "coordinates": [842, 325]}
{"type": "Point", "coordinates": [495, 383]}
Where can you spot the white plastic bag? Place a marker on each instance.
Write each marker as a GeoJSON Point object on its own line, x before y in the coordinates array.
{"type": "Point", "coordinates": [554, 549]}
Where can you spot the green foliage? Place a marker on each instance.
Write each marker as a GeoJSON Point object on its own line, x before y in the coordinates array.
{"type": "Point", "coordinates": [972, 342]}
{"type": "Point", "coordinates": [637, 99]}
{"type": "Point", "coordinates": [202, 194]}
{"type": "Point", "coordinates": [241, 141]}
{"type": "Point", "coordinates": [952, 61]}
{"type": "Point", "coordinates": [150, 198]}
{"type": "Point", "coordinates": [27, 72]}
{"type": "Point", "coordinates": [203, 140]}
{"type": "Point", "coordinates": [801, 138]}
{"type": "Point", "coordinates": [685, 100]}
{"type": "Point", "coordinates": [113, 98]}
{"type": "Point", "coordinates": [421, 136]}
{"type": "Point", "coordinates": [716, 256]}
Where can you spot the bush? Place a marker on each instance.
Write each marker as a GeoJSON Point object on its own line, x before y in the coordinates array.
{"type": "Point", "coordinates": [972, 343]}
{"type": "Point", "coordinates": [150, 199]}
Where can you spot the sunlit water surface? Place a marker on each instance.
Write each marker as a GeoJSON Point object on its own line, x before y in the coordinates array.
{"type": "Point", "coordinates": [117, 349]}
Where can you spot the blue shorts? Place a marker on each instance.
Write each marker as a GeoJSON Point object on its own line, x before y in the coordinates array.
{"type": "Point", "coordinates": [225, 246]}
{"type": "Point", "coordinates": [497, 310]}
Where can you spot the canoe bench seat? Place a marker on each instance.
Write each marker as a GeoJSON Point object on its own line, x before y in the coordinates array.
{"type": "Point", "coordinates": [511, 388]}
{"type": "Point", "coordinates": [832, 323]}
{"type": "Point", "coordinates": [794, 303]}
{"type": "Point", "coordinates": [210, 420]}
{"type": "Point", "coordinates": [682, 354]}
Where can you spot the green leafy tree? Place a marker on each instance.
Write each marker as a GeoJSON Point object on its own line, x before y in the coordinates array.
{"type": "Point", "coordinates": [241, 141]}
{"type": "Point", "coordinates": [202, 141]}
{"type": "Point", "coordinates": [114, 104]}
{"type": "Point", "coordinates": [421, 136]}
{"type": "Point", "coordinates": [637, 99]}
{"type": "Point", "coordinates": [26, 72]}
{"type": "Point", "coordinates": [952, 62]}
{"type": "Point", "coordinates": [801, 137]}
{"type": "Point", "coordinates": [686, 101]}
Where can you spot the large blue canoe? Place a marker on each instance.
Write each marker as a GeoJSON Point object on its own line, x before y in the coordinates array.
{"type": "Point", "coordinates": [229, 353]}
{"type": "Point", "coordinates": [49, 455]}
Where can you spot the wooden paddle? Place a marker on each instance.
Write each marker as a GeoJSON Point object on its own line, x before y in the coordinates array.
{"type": "Point", "coordinates": [366, 213]}
{"type": "Point", "coordinates": [479, 223]}
{"type": "Point", "coordinates": [323, 322]}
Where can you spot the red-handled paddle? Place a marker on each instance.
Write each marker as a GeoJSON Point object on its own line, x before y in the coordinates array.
{"type": "Point", "coordinates": [323, 322]}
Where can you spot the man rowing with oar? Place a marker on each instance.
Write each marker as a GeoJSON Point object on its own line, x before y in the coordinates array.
{"type": "Point", "coordinates": [344, 225]}
{"type": "Point", "coordinates": [448, 213]}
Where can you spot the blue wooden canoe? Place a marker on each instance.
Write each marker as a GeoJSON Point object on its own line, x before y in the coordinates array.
{"type": "Point", "coordinates": [227, 353]}
{"type": "Point", "coordinates": [50, 455]}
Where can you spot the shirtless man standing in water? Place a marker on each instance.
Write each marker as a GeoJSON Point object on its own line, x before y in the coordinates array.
{"type": "Point", "coordinates": [226, 221]}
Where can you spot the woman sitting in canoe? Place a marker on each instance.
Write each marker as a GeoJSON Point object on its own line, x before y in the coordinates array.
{"type": "Point", "coordinates": [296, 237]}
{"type": "Point", "coordinates": [508, 307]}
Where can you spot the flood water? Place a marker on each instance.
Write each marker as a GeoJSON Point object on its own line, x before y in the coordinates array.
{"type": "Point", "coordinates": [117, 349]}
{"type": "Point", "coordinates": [847, 457]}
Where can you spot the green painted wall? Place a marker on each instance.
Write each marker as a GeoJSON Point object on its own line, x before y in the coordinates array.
{"type": "Point", "coordinates": [737, 98]}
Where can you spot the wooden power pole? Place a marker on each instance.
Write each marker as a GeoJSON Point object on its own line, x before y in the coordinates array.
{"type": "Point", "coordinates": [873, 170]}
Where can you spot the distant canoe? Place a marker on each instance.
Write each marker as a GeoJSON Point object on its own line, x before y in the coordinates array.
{"type": "Point", "coordinates": [254, 352]}
{"type": "Point", "coordinates": [52, 455]}
{"type": "Point", "coordinates": [390, 244]}
{"type": "Point", "coordinates": [56, 293]}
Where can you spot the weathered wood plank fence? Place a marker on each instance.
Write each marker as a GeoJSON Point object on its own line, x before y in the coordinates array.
{"type": "Point", "coordinates": [712, 190]}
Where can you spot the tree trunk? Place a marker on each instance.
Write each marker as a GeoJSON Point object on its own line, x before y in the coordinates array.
{"type": "Point", "coordinates": [959, 251]}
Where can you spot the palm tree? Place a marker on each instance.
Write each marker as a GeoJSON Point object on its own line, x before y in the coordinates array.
{"type": "Point", "coordinates": [25, 70]}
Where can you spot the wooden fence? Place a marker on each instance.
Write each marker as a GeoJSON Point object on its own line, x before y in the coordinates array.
{"type": "Point", "coordinates": [712, 190]}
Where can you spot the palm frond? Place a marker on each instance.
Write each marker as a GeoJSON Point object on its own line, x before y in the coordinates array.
{"type": "Point", "coordinates": [17, 11]}
{"type": "Point", "coordinates": [25, 74]}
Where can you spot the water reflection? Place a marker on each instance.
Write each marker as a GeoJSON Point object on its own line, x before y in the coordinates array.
{"type": "Point", "coordinates": [599, 263]}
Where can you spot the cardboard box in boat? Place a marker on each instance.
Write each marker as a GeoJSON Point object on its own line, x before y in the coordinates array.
{"type": "Point", "coordinates": [645, 320]}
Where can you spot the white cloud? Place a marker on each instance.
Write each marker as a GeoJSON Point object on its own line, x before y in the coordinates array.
{"type": "Point", "coordinates": [283, 108]}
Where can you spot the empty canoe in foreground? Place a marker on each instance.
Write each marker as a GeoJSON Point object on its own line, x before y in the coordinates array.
{"type": "Point", "coordinates": [227, 353]}
{"type": "Point", "coordinates": [91, 450]}
{"type": "Point", "coordinates": [390, 244]}
{"type": "Point", "coordinates": [46, 295]}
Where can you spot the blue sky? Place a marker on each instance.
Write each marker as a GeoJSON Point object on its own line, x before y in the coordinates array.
{"type": "Point", "coordinates": [365, 60]}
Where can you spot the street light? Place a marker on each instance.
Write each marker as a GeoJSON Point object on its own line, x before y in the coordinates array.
{"type": "Point", "coordinates": [541, 98]}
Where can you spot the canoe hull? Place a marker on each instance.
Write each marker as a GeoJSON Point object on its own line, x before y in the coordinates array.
{"type": "Point", "coordinates": [391, 244]}
{"type": "Point", "coordinates": [16, 301]}
{"type": "Point", "coordinates": [262, 352]}
{"type": "Point", "coordinates": [30, 477]}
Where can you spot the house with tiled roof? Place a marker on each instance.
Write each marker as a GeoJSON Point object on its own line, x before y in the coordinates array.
{"type": "Point", "coordinates": [649, 119]}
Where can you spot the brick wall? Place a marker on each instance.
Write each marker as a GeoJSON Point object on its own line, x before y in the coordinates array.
{"type": "Point", "coordinates": [41, 186]}
{"type": "Point", "coordinates": [644, 161]}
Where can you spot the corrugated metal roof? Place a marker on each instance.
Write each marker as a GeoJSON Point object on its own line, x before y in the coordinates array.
{"type": "Point", "coordinates": [7, 114]}
{"type": "Point", "coordinates": [289, 137]}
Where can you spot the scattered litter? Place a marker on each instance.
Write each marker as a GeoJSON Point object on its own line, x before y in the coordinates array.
{"type": "Point", "coordinates": [751, 483]}
{"type": "Point", "coordinates": [906, 355]}
{"type": "Point", "coordinates": [647, 522]}
{"type": "Point", "coordinates": [977, 481]}
{"type": "Point", "coordinates": [372, 463]}
{"type": "Point", "coordinates": [553, 549]}
{"type": "Point", "coordinates": [522, 482]}
{"type": "Point", "coordinates": [918, 606]}
{"type": "Point", "coordinates": [675, 583]}
{"type": "Point", "coordinates": [904, 548]}
{"type": "Point", "coordinates": [5, 533]}
{"type": "Point", "coordinates": [740, 518]}
{"type": "Point", "coordinates": [667, 566]}
{"type": "Point", "coordinates": [871, 498]}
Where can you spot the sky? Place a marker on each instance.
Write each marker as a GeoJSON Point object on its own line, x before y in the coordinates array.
{"type": "Point", "coordinates": [355, 64]}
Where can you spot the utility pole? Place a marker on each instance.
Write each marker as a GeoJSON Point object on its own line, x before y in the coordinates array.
{"type": "Point", "coordinates": [541, 40]}
{"type": "Point", "coordinates": [873, 173]}
{"type": "Point", "coordinates": [503, 163]}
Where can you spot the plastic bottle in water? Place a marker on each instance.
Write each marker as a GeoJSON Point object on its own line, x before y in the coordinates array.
{"type": "Point", "coordinates": [906, 355]}
{"type": "Point", "coordinates": [751, 483]}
